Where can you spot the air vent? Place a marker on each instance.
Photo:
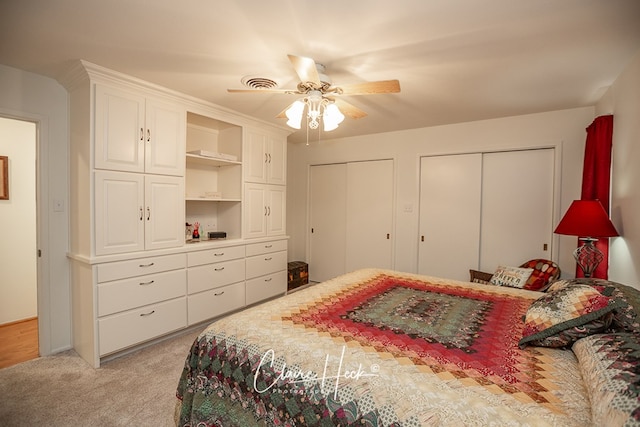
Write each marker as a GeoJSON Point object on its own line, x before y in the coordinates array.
{"type": "Point", "coordinates": [255, 82]}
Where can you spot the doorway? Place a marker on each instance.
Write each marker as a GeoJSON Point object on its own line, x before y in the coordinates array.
{"type": "Point", "coordinates": [18, 227]}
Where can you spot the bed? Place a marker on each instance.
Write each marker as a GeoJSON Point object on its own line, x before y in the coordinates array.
{"type": "Point", "coordinates": [384, 348]}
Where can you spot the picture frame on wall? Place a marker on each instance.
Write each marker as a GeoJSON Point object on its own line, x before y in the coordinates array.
{"type": "Point", "coordinates": [4, 178]}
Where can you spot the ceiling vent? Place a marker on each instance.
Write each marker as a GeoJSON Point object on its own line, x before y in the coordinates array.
{"type": "Point", "coordinates": [255, 82]}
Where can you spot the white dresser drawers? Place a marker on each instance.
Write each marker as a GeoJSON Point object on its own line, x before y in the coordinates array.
{"type": "Point", "coordinates": [215, 255]}
{"type": "Point", "coordinates": [210, 276]}
{"type": "Point", "coordinates": [213, 303]}
{"type": "Point", "coordinates": [126, 294]}
{"type": "Point", "coordinates": [266, 247]}
{"type": "Point", "coordinates": [138, 267]}
{"type": "Point", "coordinates": [265, 287]}
{"type": "Point", "coordinates": [265, 264]}
{"type": "Point", "coordinates": [124, 329]}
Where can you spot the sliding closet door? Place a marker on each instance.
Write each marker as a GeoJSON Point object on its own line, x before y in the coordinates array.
{"type": "Point", "coordinates": [369, 214]}
{"type": "Point", "coordinates": [327, 212]}
{"type": "Point", "coordinates": [450, 191]}
{"type": "Point", "coordinates": [517, 207]}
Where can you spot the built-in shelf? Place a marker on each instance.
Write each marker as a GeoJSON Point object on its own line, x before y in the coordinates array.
{"type": "Point", "coordinates": [210, 161]}
{"type": "Point", "coordinates": [209, 199]}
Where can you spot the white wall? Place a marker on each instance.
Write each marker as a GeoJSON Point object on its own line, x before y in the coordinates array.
{"type": "Point", "coordinates": [623, 101]}
{"type": "Point", "coordinates": [18, 223]}
{"type": "Point", "coordinates": [44, 101]}
{"type": "Point", "coordinates": [566, 128]}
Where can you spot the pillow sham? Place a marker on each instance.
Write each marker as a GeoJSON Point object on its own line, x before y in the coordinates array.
{"type": "Point", "coordinates": [560, 318]}
{"type": "Point", "coordinates": [514, 277]}
{"type": "Point", "coordinates": [610, 366]}
{"type": "Point", "coordinates": [627, 316]}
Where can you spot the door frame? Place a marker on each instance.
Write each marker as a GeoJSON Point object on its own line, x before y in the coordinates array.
{"type": "Point", "coordinates": [42, 227]}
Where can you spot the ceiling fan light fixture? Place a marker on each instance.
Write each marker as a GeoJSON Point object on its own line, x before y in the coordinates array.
{"type": "Point", "coordinates": [294, 114]}
{"type": "Point", "coordinates": [332, 117]}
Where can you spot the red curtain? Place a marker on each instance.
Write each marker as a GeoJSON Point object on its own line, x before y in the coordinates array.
{"type": "Point", "coordinates": [596, 178]}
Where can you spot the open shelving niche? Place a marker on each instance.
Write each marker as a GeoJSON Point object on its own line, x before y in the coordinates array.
{"type": "Point", "coordinates": [205, 175]}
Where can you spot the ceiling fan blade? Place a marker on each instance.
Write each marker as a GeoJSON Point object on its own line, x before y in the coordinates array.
{"type": "Point", "coordinates": [283, 114]}
{"type": "Point", "coordinates": [371, 88]}
{"type": "Point", "coordinates": [349, 110]}
{"type": "Point", "coordinates": [306, 69]}
{"type": "Point", "coordinates": [290, 91]}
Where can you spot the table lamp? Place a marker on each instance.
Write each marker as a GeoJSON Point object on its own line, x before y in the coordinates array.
{"type": "Point", "coordinates": [588, 220]}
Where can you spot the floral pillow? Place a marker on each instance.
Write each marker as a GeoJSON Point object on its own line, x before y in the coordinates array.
{"type": "Point", "coordinates": [610, 366]}
{"type": "Point", "coordinates": [561, 317]}
{"type": "Point", "coordinates": [514, 277]}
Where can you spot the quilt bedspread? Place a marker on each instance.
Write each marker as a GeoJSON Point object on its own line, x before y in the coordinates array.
{"type": "Point", "coordinates": [377, 347]}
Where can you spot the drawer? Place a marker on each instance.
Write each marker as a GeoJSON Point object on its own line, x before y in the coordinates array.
{"type": "Point", "coordinates": [266, 264]}
{"type": "Point", "coordinates": [125, 329]}
{"type": "Point", "coordinates": [265, 287]}
{"type": "Point", "coordinates": [210, 276]}
{"type": "Point", "coordinates": [213, 303]}
{"type": "Point", "coordinates": [139, 267]}
{"type": "Point", "coordinates": [266, 247]}
{"type": "Point", "coordinates": [121, 295]}
{"type": "Point", "coordinates": [214, 255]}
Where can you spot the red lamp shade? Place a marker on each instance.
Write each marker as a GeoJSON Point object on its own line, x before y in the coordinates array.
{"type": "Point", "coordinates": [586, 218]}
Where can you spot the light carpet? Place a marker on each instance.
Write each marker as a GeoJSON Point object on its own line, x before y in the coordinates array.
{"type": "Point", "coordinates": [137, 389]}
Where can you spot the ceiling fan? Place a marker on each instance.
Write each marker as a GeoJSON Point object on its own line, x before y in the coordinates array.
{"type": "Point", "coordinates": [321, 96]}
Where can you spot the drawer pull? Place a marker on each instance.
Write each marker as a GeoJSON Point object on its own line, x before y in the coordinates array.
{"type": "Point", "coordinates": [218, 269]}
{"type": "Point", "coordinates": [268, 246]}
{"type": "Point", "coordinates": [269, 279]}
{"type": "Point", "coordinates": [219, 294]}
{"type": "Point", "coordinates": [146, 283]}
{"type": "Point", "coordinates": [268, 259]}
{"type": "Point", "coordinates": [219, 254]}
{"type": "Point", "coordinates": [147, 314]}
{"type": "Point", "coordinates": [146, 265]}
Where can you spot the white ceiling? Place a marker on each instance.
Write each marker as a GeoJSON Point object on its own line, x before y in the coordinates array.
{"type": "Point", "coordinates": [456, 60]}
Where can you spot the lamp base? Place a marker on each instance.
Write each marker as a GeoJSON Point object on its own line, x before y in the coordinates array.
{"type": "Point", "coordinates": [588, 256]}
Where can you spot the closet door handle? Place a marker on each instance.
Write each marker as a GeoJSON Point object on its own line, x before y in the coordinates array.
{"type": "Point", "coordinates": [141, 134]}
{"type": "Point", "coordinates": [269, 210]}
{"type": "Point", "coordinates": [387, 236]}
{"type": "Point", "coordinates": [148, 213]}
{"type": "Point", "coordinates": [148, 135]}
{"type": "Point", "coordinates": [141, 214]}
{"type": "Point", "coordinates": [266, 157]}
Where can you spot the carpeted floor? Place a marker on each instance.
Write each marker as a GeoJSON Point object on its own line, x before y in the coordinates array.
{"type": "Point", "coordinates": [63, 390]}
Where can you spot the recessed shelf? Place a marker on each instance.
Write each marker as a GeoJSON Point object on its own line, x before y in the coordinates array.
{"type": "Point", "coordinates": [210, 161]}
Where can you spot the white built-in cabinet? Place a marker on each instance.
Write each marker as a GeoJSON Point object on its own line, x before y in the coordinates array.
{"type": "Point", "coordinates": [481, 210]}
{"type": "Point", "coordinates": [351, 217]}
{"type": "Point", "coordinates": [148, 161]}
{"type": "Point", "coordinates": [136, 212]}
{"type": "Point", "coordinates": [137, 133]}
{"type": "Point", "coordinates": [266, 160]}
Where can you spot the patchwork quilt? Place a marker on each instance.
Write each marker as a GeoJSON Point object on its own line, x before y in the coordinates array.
{"type": "Point", "coordinates": [381, 348]}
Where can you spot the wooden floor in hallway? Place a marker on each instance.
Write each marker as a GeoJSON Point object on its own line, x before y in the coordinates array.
{"type": "Point", "coordinates": [18, 342]}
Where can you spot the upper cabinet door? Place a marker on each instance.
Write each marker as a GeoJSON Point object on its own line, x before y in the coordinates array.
{"type": "Point", "coordinates": [277, 160]}
{"type": "Point", "coordinates": [134, 133]}
{"type": "Point", "coordinates": [119, 130]}
{"type": "Point", "coordinates": [165, 138]}
{"type": "Point", "coordinates": [265, 158]}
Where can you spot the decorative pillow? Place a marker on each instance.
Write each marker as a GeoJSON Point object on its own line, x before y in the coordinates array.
{"type": "Point", "coordinates": [514, 277]}
{"type": "Point", "coordinates": [627, 316]}
{"type": "Point", "coordinates": [559, 318]}
{"type": "Point", "coordinates": [544, 273]}
{"type": "Point", "coordinates": [610, 366]}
